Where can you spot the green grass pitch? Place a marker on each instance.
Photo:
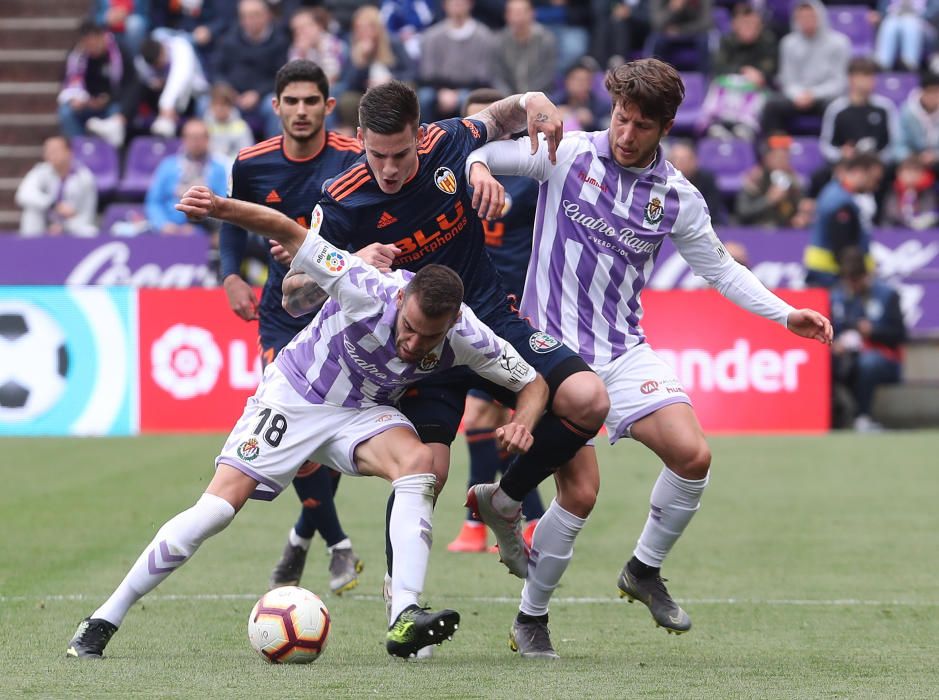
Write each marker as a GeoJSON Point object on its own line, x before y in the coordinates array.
{"type": "Point", "coordinates": [811, 571]}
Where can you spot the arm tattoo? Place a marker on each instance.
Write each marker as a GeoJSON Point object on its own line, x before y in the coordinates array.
{"type": "Point", "coordinates": [301, 294]}
{"type": "Point", "coordinates": [504, 117]}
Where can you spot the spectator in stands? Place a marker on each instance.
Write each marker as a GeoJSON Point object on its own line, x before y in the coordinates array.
{"type": "Point", "coordinates": [860, 120]}
{"type": "Point", "coordinates": [95, 74]}
{"type": "Point", "coordinates": [375, 57]}
{"type": "Point", "coordinates": [869, 335]}
{"type": "Point", "coordinates": [526, 56]}
{"type": "Point", "coordinates": [680, 25]}
{"type": "Point", "coordinates": [581, 107]}
{"type": "Point", "coordinates": [406, 20]}
{"type": "Point", "coordinates": [619, 27]}
{"type": "Point", "coordinates": [569, 21]}
{"type": "Point", "coordinates": [840, 218]}
{"type": "Point", "coordinates": [813, 67]}
{"type": "Point", "coordinates": [771, 191]}
{"type": "Point", "coordinates": [312, 41]}
{"type": "Point", "coordinates": [912, 201]}
{"type": "Point", "coordinates": [58, 195]}
{"type": "Point", "coordinates": [228, 132]}
{"type": "Point", "coordinates": [193, 165]}
{"type": "Point", "coordinates": [128, 20]}
{"type": "Point", "coordinates": [456, 57]}
{"type": "Point", "coordinates": [919, 122]}
{"type": "Point", "coordinates": [247, 58]}
{"type": "Point", "coordinates": [901, 32]}
{"type": "Point", "coordinates": [682, 155]}
{"type": "Point", "coordinates": [202, 21]}
{"type": "Point", "coordinates": [743, 66]}
{"type": "Point", "coordinates": [168, 79]}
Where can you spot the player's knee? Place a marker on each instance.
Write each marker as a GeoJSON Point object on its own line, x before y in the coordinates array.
{"type": "Point", "coordinates": [578, 495]}
{"type": "Point", "coordinates": [694, 461]}
{"type": "Point", "coordinates": [416, 460]}
{"type": "Point", "coordinates": [583, 399]}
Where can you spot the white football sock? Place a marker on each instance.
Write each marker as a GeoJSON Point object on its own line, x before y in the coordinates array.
{"type": "Point", "coordinates": [341, 544]}
{"type": "Point", "coordinates": [552, 547]}
{"type": "Point", "coordinates": [673, 503]}
{"type": "Point", "coordinates": [173, 545]}
{"type": "Point", "coordinates": [297, 541]}
{"type": "Point", "coordinates": [410, 529]}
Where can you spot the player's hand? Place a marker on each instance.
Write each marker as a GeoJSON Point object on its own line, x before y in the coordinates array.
{"type": "Point", "coordinates": [544, 118]}
{"type": "Point", "coordinates": [514, 438]}
{"type": "Point", "coordinates": [241, 298]}
{"type": "Point", "coordinates": [280, 254]}
{"type": "Point", "coordinates": [198, 203]}
{"type": "Point", "coordinates": [488, 193]}
{"type": "Point", "coordinates": [810, 324]}
{"type": "Point", "coordinates": [380, 255]}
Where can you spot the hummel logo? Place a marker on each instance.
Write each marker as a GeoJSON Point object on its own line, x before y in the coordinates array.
{"type": "Point", "coordinates": [386, 219]}
{"type": "Point", "coordinates": [273, 198]}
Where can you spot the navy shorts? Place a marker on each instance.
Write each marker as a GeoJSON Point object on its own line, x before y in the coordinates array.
{"type": "Point", "coordinates": [435, 405]}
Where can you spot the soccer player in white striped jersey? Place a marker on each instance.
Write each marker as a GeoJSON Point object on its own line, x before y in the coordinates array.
{"type": "Point", "coordinates": [329, 396]}
{"type": "Point", "coordinates": [604, 208]}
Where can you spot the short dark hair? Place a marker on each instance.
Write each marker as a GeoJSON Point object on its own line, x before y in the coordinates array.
{"type": "Point", "coordinates": [389, 108]}
{"type": "Point", "coordinates": [439, 291]}
{"type": "Point", "coordinates": [90, 26]}
{"type": "Point", "coordinates": [852, 262]}
{"type": "Point", "coordinates": [862, 64]}
{"type": "Point", "coordinates": [653, 86]}
{"type": "Point", "coordinates": [928, 79]}
{"type": "Point", "coordinates": [482, 96]}
{"type": "Point", "coordinates": [300, 70]}
{"type": "Point", "coordinates": [150, 50]}
{"type": "Point", "coordinates": [861, 160]}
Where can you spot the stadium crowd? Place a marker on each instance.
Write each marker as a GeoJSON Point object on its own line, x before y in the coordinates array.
{"type": "Point", "coordinates": [797, 115]}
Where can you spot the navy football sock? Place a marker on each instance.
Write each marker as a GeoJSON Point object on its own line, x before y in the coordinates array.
{"type": "Point", "coordinates": [316, 492]}
{"type": "Point", "coordinates": [483, 459]}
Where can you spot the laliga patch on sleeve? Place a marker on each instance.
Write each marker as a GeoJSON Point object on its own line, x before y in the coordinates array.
{"type": "Point", "coordinates": [316, 219]}
{"type": "Point", "coordinates": [330, 259]}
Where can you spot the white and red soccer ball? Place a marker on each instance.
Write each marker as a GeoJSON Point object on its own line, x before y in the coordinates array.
{"type": "Point", "coordinates": [289, 625]}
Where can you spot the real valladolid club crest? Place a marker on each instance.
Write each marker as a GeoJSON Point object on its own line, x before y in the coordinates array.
{"type": "Point", "coordinates": [445, 180]}
{"type": "Point", "coordinates": [249, 450]}
{"type": "Point", "coordinates": [654, 211]}
{"type": "Point", "coordinates": [429, 361]}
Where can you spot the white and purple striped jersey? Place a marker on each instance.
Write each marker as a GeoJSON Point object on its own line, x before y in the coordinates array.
{"type": "Point", "coordinates": [598, 230]}
{"type": "Point", "coordinates": [347, 357]}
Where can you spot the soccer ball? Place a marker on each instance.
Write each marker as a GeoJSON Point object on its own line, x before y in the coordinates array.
{"type": "Point", "coordinates": [33, 361]}
{"type": "Point", "coordinates": [289, 625]}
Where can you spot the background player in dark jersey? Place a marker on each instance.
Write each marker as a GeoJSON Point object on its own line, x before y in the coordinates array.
{"type": "Point", "coordinates": [286, 173]}
{"type": "Point", "coordinates": [508, 242]}
{"type": "Point", "coordinates": [408, 205]}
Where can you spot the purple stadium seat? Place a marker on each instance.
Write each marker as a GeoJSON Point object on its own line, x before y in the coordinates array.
{"type": "Point", "coordinates": [100, 158]}
{"type": "Point", "coordinates": [851, 20]}
{"type": "Point", "coordinates": [124, 220]}
{"type": "Point", "coordinates": [721, 17]}
{"type": "Point", "coordinates": [896, 86]}
{"type": "Point", "coordinates": [729, 160]}
{"type": "Point", "coordinates": [143, 157]}
{"type": "Point", "coordinates": [806, 156]}
{"type": "Point", "coordinates": [696, 87]}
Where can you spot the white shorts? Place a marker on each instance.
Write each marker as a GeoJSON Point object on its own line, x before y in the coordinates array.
{"type": "Point", "coordinates": [639, 383]}
{"type": "Point", "coordinates": [280, 430]}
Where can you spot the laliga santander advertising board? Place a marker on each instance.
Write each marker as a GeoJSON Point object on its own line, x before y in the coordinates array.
{"type": "Point", "coordinates": [198, 361]}
{"type": "Point", "coordinates": [742, 372]}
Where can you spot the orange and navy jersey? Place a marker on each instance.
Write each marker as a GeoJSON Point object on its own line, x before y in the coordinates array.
{"type": "Point", "coordinates": [264, 174]}
{"type": "Point", "coordinates": [431, 219]}
{"type": "Point", "coordinates": [508, 238]}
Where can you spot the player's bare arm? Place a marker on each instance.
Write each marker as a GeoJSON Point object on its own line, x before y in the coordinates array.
{"type": "Point", "coordinates": [809, 323]}
{"type": "Point", "coordinates": [199, 202]}
{"type": "Point", "coordinates": [488, 193]}
{"type": "Point", "coordinates": [537, 115]}
{"type": "Point", "coordinates": [515, 436]}
{"type": "Point", "coordinates": [301, 294]}
{"type": "Point", "coordinates": [241, 297]}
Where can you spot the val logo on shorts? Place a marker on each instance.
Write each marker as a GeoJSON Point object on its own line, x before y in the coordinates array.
{"type": "Point", "coordinates": [541, 342]}
{"type": "Point", "coordinates": [249, 450]}
{"type": "Point", "coordinates": [428, 362]}
{"type": "Point", "coordinates": [445, 180]}
{"type": "Point", "coordinates": [330, 259]}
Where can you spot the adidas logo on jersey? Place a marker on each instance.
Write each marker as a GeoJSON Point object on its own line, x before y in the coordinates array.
{"type": "Point", "coordinates": [386, 219]}
{"type": "Point", "coordinates": [273, 198]}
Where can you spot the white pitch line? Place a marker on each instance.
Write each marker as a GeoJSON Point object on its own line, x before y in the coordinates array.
{"type": "Point", "coordinates": [560, 600]}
